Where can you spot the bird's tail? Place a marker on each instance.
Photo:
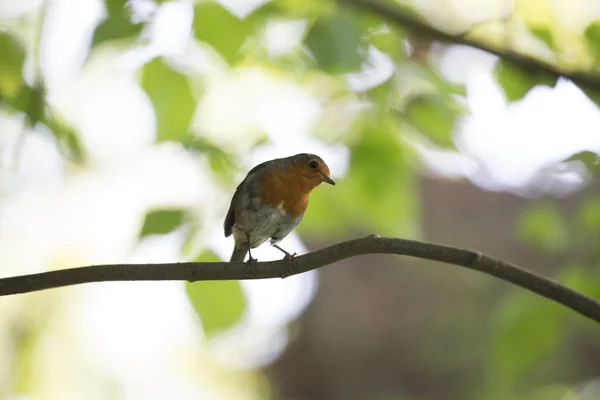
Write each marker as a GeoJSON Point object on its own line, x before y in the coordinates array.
{"type": "Point", "coordinates": [238, 255]}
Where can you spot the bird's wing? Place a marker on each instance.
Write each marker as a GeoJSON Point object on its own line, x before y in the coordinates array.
{"type": "Point", "coordinates": [230, 218]}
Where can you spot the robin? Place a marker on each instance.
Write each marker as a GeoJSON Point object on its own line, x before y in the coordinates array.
{"type": "Point", "coordinates": [271, 201]}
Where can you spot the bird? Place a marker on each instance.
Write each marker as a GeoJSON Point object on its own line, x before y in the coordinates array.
{"type": "Point", "coordinates": [271, 201]}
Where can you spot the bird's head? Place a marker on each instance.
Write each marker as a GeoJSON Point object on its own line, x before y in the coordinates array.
{"type": "Point", "coordinates": [311, 169]}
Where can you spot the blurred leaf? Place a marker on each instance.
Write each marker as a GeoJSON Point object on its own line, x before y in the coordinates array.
{"type": "Point", "coordinates": [544, 227]}
{"type": "Point", "coordinates": [388, 41]}
{"type": "Point", "coordinates": [219, 304]}
{"type": "Point", "coordinates": [577, 278]}
{"type": "Point", "coordinates": [161, 222]}
{"type": "Point", "coordinates": [588, 216]}
{"type": "Point", "coordinates": [416, 74]}
{"type": "Point", "coordinates": [301, 9]}
{"type": "Point", "coordinates": [524, 330]}
{"type": "Point", "coordinates": [385, 37]}
{"type": "Point", "coordinates": [115, 28]}
{"type": "Point", "coordinates": [222, 30]}
{"type": "Point", "coordinates": [377, 195]}
{"type": "Point", "coordinates": [171, 95]}
{"type": "Point", "coordinates": [36, 105]}
{"type": "Point", "coordinates": [31, 101]}
{"type": "Point", "coordinates": [592, 34]}
{"type": "Point", "coordinates": [66, 137]}
{"type": "Point", "coordinates": [589, 158]}
{"type": "Point", "coordinates": [334, 41]}
{"type": "Point", "coordinates": [517, 82]}
{"type": "Point", "coordinates": [592, 94]}
{"type": "Point", "coordinates": [115, 7]}
{"type": "Point", "coordinates": [221, 163]}
{"type": "Point", "coordinates": [545, 35]}
{"type": "Point", "coordinates": [11, 66]}
{"type": "Point", "coordinates": [433, 116]}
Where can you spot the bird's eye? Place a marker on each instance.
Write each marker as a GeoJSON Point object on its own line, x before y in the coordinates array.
{"type": "Point", "coordinates": [313, 164]}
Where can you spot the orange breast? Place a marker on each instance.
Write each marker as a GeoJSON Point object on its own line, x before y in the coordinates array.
{"type": "Point", "coordinates": [288, 189]}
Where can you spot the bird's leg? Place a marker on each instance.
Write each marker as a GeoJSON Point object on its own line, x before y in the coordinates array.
{"type": "Point", "coordinates": [251, 261]}
{"type": "Point", "coordinates": [287, 257]}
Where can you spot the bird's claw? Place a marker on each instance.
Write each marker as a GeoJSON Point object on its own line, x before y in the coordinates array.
{"type": "Point", "coordinates": [289, 258]}
{"type": "Point", "coordinates": [251, 264]}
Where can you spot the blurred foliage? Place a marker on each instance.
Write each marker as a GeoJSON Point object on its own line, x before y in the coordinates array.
{"type": "Point", "coordinates": [434, 117]}
{"type": "Point", "coordinates": [117, 24]}
{"type": "Point", "coordinates": [592, 34]}
{"type": "Point", "coordinates": [517, 82]}
{"type": "Point", "coordinates": [588, 158]}
{"type": "Point", "coordinates": [219, 304]}
{"type": "Point", "coordinates": [362, 200]}
{"type": "Point", "coordinates": [11, 64]}
{"type": "Point", "coordinates": [380, 191]}
{"type": "Point", "coordinates": [527, 331]}
{"type": "Point", "coordinates": [216, 26]}
{"type": "Point", "coordinates": [172, 98]}
{"type": "Point", "coordinates": [334, 41]}
{"type": "Point", "coordinates": [161, 222]}
{"type": "Point", "coordinates": [524, 330]}
{"type": "Point", "coordinates": [544, 228]}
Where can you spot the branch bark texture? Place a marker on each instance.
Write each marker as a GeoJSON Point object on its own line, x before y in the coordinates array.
{"type": "Point", "coordinates": [194, 271]}
{"type": "Point", "coordinates": [403, 16]}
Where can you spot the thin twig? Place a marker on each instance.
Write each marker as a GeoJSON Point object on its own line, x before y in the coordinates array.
{"type": "Point", "coordinates": [402, 15]}
{"type": "Point", "coordinates": [193, 271]}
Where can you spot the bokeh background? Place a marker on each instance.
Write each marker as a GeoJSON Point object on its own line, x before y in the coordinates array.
{"type": "Point", "coordinates": [125, 127]}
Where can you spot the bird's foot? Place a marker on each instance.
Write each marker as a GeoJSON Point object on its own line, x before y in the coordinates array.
{"type": "Point", "coordinates": [251, 265]}
{"type": "Point", "coordinates": [288, 257]}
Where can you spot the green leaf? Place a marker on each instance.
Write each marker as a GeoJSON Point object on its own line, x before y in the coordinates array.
{"type": "Point", "coordinates": [524, 330]}
{"type": "Point", "coordinates": [577, 278]}
{"type": "Point", "coordinates": [115, 7]}
{"type": "Point", "coordinates": [516, 81]}
{"type": "Point", "coordinates": [385, 37]}
{"type": "Point", "coordinates": [11, 66]}
{"type": "Point", "coordinates": [302, 9]}
{"type": "Point", "coordinates": [334, 41]}
{"type": "Point", "coordinates": [589, 158]}
{"type": "Point", "coordinates": [218, 304]}
{"type": "Point", "coordinates": [592, 94]}
{"type": "Point", "coordinates": [588, 216]}
{"type": "Point", "coordinates": [115, 28]}
{"type": "Point", "coordinates": [67, 139]}
{"type": "Point", "coordinates": [544, 34]}
{"type": "Point", "coordinates": [171, 95]}
{"type": "Point", "coordinates": [222, 30]}
{"type": "Point", "coordinates": [592, 34]}
{"type": "Point", "coordinates": [31, 101]}
{"type": "Point", "coordinates": [544, 227]}
{"type": "Point", "coordinates": [433, 116]}
{"type": "Point", "coordinates": [161, 222]}
{"type": "Point", "coordinates": [377, 195]}
{"type": "Point", "coordinates": [221, 163]}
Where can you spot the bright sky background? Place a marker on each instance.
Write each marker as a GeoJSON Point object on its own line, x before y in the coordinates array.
{"type": "Point", "coordinates": [45, 218]}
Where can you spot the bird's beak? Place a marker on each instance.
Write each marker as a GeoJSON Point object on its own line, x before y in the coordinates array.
{"type": "Point", "coordinates": [328, 180]}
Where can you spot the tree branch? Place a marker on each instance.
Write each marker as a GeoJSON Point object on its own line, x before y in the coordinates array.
{"type": "Point", "coordinates": [193, 271]}
{"type": "Point", "coordinates": [402, 15]}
